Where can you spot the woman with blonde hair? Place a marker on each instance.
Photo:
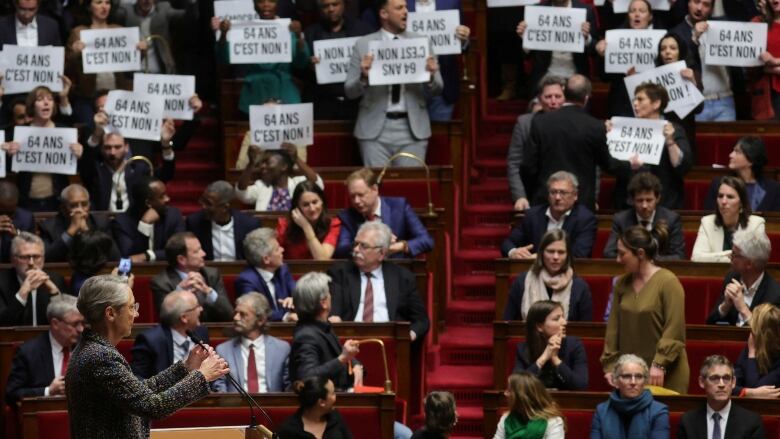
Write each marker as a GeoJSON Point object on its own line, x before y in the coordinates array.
{"type": "Point", "coordinates": [757, 369]}
{"type": "Point", "coordinates": [532, 412]}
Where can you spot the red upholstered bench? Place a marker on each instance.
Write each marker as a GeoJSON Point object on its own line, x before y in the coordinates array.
{"type": "Point", "coordinates": [712, 148]}
{"type": "Point", "coordinates": [142, 291]}
{"type": "Point", "coordinates": [698, 350]}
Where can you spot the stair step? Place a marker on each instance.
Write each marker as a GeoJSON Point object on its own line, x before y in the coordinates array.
{"type": "Point", "coordinates": [478, 286]}
{"type": "Point", "coordinates": [469, 422]}
{"type": "Point", "coordinates": [470, 312]}
{"type": "Point", "coordinates": [487, 236]}
{"type": "Point", "coordinates": [476, 261]}
{"type": "Point", "coordinates": [486, 214]}
{"type": "Point", "coordinates": [466, 382]}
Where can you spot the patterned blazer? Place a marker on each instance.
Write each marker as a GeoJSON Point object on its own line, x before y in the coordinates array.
{"type": "Point", "coordinates": [105, 399]}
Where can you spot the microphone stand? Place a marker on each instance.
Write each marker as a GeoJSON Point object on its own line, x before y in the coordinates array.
{"type": "Point", "coordinates": [252, 403]}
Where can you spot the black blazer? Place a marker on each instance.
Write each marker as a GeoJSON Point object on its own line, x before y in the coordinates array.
{"type": "Point", "coordinates": [130, 241]}
{"type": "Point", "coordinates": [152, 351]}
{"type": "Point", "coordinates": [32, 369]}
{"type": "Point", "coordinates": [23, 221]}
{"type": "Point", "coordinates": [57, 250]}
{"type": "Point", "coordinates": [770, 203]}
{"type": "Point", "coordinates": [315, 351]}
{"type": "Point", "coordinates": [243, 223]}
{"type": "Point", "coordinates": [580, 301]}
{"type": "Point", "coordinates": [768, 291]}
{"type": "Point", "coordinates": [48, 31]}
{"type": "Point", "coordinates": [580, 227]}
{"type": "Point", "coordinates": [403, 299]}
{"type": "Point", "coordinates": [741, 424]}
{"type": "Point", "coordinates": [571, 374]}
{"type": "Point", "coordinates": [675, 246]}
{"type": "Point", "coordinates": [219, 311]}
{"type": "Point", "coordinates": [12, 313]}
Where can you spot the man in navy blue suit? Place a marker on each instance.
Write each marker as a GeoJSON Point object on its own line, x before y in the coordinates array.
{"type": "Point", "coordinates": [142, 231]}
{"type": "Point", "coordinates": [267, 274]}
{"type": "Point", "coordinates": [32, 370]}
{"type": "Point", "coordinates": [410, 237]}
{"type": "Point", "coordinates": [158, 348]}
{"type": "Point", "coordinates": [13, 219]}
{"type": "Point", "coordinates": [220, 229]}
{"type": "Point", "coordinates": [561, 212]}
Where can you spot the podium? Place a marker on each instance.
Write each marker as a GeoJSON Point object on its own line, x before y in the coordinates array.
{"type": "Point", "coordinates": [227, 432]}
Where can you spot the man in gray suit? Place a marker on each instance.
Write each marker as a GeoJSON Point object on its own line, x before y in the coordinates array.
{"type": "Point", "coordinates": [392, 118]}
{"type": "Point", "coordinates": [252, 349]}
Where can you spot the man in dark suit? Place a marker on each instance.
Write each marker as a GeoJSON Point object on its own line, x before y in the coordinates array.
{"type": "Point", "coordinates": [645, 189]}
{"type": "Point", "coordinates": [267, 274]}
{"type": "Point", "coordinates": [26, 289]}
{"type": "Point", "coordinates": [568, 139]}
{"type": "Point", "coordinates": [13, 219]}
{"type": "Point", "coordinates": [719, 418]}
{"type": "Point", "coordinates": [142, 231]}
{"type": "Point", "coordinates": [561, 212]}
{"type": "Point", "coordinates": [368, 289]}
{"type": "Point", "coordinates": [253, 347]}
{"type": "Point", "coordinates": [410, 237]}
{"type": "Point", "coordinates": [220, 229]}
{"type": "Point", "coordinates": [748, 284]}
{"type": "Point", "coordinates": [33, 367]}
{"type": "Point", "coordinates": [72, 219]}
{"type": "Point", "coordinates": [187, 271]}
{"type": "Point", "coordinates": [156, 349]}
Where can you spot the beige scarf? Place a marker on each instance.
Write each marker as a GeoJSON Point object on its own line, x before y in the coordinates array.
{"type": "Point", "coordinates": [536, 289]}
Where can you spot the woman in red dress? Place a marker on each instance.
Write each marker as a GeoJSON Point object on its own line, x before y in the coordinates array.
{"type": "Point", "coordinates": [308, 232]}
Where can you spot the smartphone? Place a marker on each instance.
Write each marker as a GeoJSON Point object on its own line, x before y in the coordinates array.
{"type": "Point", "coordinates": [125, 265]}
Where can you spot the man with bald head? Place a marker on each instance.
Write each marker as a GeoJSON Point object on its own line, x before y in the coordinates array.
{"type": "Point", "coordinates": [73, 219]}
{"type": "Point", "coordinates": [13, 219]}
{"type": "Point", "coordinates": [158, 348]}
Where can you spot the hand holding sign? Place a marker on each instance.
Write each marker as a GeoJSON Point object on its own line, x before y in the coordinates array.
{"type": "Point", "coordinates": [400, 61]}
{"type": "Point", "coordinates": [48, 150]}
{"type": "Point", "coordinates": [133, 115]}
{"type": "Point", "coordinates": [732, 43]}
{"type": "Point", "coordinates": [553, 28]}
{"type": "Point", "coordinates": [637, 140]}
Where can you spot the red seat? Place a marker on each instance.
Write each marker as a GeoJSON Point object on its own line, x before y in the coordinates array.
{"type": "Point", "coordinates": [143, 295]}
{"type": "Point", "coordinates": [698, 350]}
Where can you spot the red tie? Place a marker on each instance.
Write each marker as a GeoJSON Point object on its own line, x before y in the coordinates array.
{"type": "Point", "coordinates": [251, 372]}
{"type": "Point", "coordinates": [65, 358]}
{"type": "Point", "coordinates": [371, 217]}
{"type": "Point", "coordinates": [368, 301]}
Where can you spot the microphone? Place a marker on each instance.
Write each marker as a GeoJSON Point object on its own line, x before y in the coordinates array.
{"type": "Point", "coordinates": [252, 403]}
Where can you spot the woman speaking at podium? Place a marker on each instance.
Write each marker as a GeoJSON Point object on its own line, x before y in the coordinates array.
{"type": "Point", "coordinates": [105, 399]}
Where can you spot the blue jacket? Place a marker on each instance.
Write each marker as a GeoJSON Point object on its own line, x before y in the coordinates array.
{"type": "Point", "coordinates": [152, 351]}
{"type": "Point", "coordinates": [580, 226]}
{"type": "Point", "coordinates": [396, 214]}
{"type": "Point", "coordinates": [130, 241]}
{"type": "Point", "coordinates": [571, 374]}
{"type": "Point", "coordinates": [250, 280]}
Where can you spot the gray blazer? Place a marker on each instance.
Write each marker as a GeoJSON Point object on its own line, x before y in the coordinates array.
{"type": "Point", "coordinates": [373, 106]}
{"type": "Point", "coordinates": [277, 371]}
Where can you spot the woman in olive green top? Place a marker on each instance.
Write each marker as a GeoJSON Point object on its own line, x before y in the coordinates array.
{"type": "Point", "coordinates": [648, 314]}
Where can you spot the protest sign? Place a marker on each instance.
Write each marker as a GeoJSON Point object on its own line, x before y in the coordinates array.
{"type": "Point", "coordinates": [110, 50]}
{"type": "Point", "coordinates": [45, 150]}
{"type": "Point", "coordinates": [508, 3]}
{"type": "Point", "coordinates": [260, 42]}
{"type": "Point", "coordinates": [233, 11]}
{"type": "Point", "coordinates": [334, 59]}
{"type": "Point", "coordinates": [399, 61]}
{"type": "Point", "coordinates": [553, 28]}
{"type": "Point", "coordinates": [439, 27]}
{"type": "Point", "coordinates": [2, 156]}
{"type": "Point", "coordinates": [272, 125]}
{"type": "Point", "coordinates": [734, 43]}
{"type": "Point", "coordinates": [134, 115]}
{"type": "Point", "coordinates": [175, 89]}
{"type": "Point", "coordinates": [25, 68]}
{"type": "Point", "coordinates": [635, 48]}
{"type": "Point", "coordinates": [621, 6]}
{"type": "Point", "coordinates": [683, 94]}
{"type": "Point", "coordinates": [643, 137]}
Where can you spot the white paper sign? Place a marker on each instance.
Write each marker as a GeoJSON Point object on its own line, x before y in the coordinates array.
{"type": "Point", "coordinates": [25, 68]}
{"type": "Point", "coordinates": [272, 125]}
{"type": "Point", "coordinates": [2, 156]}
{"type": "Point", "coordinates": [111, 50]}
{"type": "Point", "coordinates": [439, 27]}
{"type": "Point", "coordinates": [643, 137]}
{"type": "Point", "coordinates": [508, 3]}
{"type": "Point", "coordinates": [635, 48]}
{"type": "Point", "coordinates": [599, 2]}
{"type": "Point", "coordinates": [683, 95]}
{"type": "Point", "coordinates": [553, 28]}
{"type": "Point", "coordinates": [45, 150]}
{"type": "Point", "coordinates": [234, 10]}
{"type": "Point", "coordinates": [399, 61]}
{"type": "Point", "coordinates": [260, 42]}
{"type": "Point", "coordinates": [175, 89]}
{"type": "Point", "coordinates": [133, 115]}
{"type": "Point", "coordinates": [621, 6]}
{"type": "Point", "coordinates": [334, 57]}
{"type": "Point", "coordinates": [734, 43]}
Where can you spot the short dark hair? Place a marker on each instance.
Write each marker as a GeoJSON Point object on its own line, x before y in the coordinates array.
{"type": "Point", "coordinates": [177, 246]}
{"type": "Point", "coordinates": [29, 102]}
{"type": "Point", "coordinates": [310, 390]}
{"type": "Point", "coordinates": [440, 413]}
{"type": "Point", "coordinates": [712, 361]}
{"type": "Point", "coordinates": [642, 182]}
{"type": "Point", "coordinates": [755, 152]}
{"type": "Point", "coordinates": [140, 193]}
{"type": "Point", "coordinates": [655, 92]}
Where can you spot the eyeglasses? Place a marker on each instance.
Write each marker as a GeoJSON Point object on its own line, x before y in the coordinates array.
{"type": "Point", "coordinates": [364, 246]}
{"type": "Point", "coordinates": [561, 193]}
{"type": "Point", "coordinates": [628, 377]}
{"type": "Point", "coordinates": [75, 325]}
{"type": "Point", "coordinates": [716, 379]}
{"type": "Point", "coordinates": [135, 307]}
{"type": "Point", "coordinates": [35, 258]}
{"type": "Point", "coordinates": [77, 204]}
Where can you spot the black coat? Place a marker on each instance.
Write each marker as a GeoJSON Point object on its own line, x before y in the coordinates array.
{"type": "Point", "coordinates": [152, 351]}
{"type": "Point", "coordinates": [580, 227]}
{"type": "Point", "coordinates": [32, 369]}
{"type": "Point", "coordinates": [12, 313]}
{"type": "Point", "coordinates": [315, 351]}
{"type": "Point", "coordinates": [130, 241]}
{"type": "Point", "coordinates": [768, 291]}
{"type": "Point", "coordinates": [243, 223]}
{"type": "Point", "coordinates": [741, 424]}
{"type": "Point", "coordinates": [675, 245]}
{"type": "Point", "coordinates": [57, 249]}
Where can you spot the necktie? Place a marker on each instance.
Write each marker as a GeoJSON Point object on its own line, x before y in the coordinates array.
{"type": "Point", "coordinates": [65, 359]}
{"type": "Point", "coordinates": [395, 89]}
{"type": "Point", "coordinates": [368, 301]}
{"type": "Point", "coordinates": [644, 223]}
{"type": "Point", "coordinates": [716, 426]}
{"type": "Point", "coordinates": [251, 372]}
{"type": "Point", "coordinates": [185, 349]}
{"type": "Point", "coordinates": [370, 217]}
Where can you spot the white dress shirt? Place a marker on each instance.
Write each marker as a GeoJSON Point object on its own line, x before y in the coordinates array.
{"type": "Point", "coordinates": [179, 353]}
{"type": "Point", "coordinates": [27, 34]}
{"type": "Point", "coordinates": [380, 298]}
{"type": "Point", "coordinates": [148, 231]}
{"type": "Point", "coordinates": [259, 348]}
{"type": "Point", "coordinates": [552, 223]}
{"type": "Point", "coordinates": [118, 191]}
{"type": "Point", "coordinates": [223, 241]}
{"type": "Point", "coordinates": [749, 293]}
{"type": "Point", "coordinates": [724, 417]}
{"type": "Point", "coordinates": [56, 359]}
